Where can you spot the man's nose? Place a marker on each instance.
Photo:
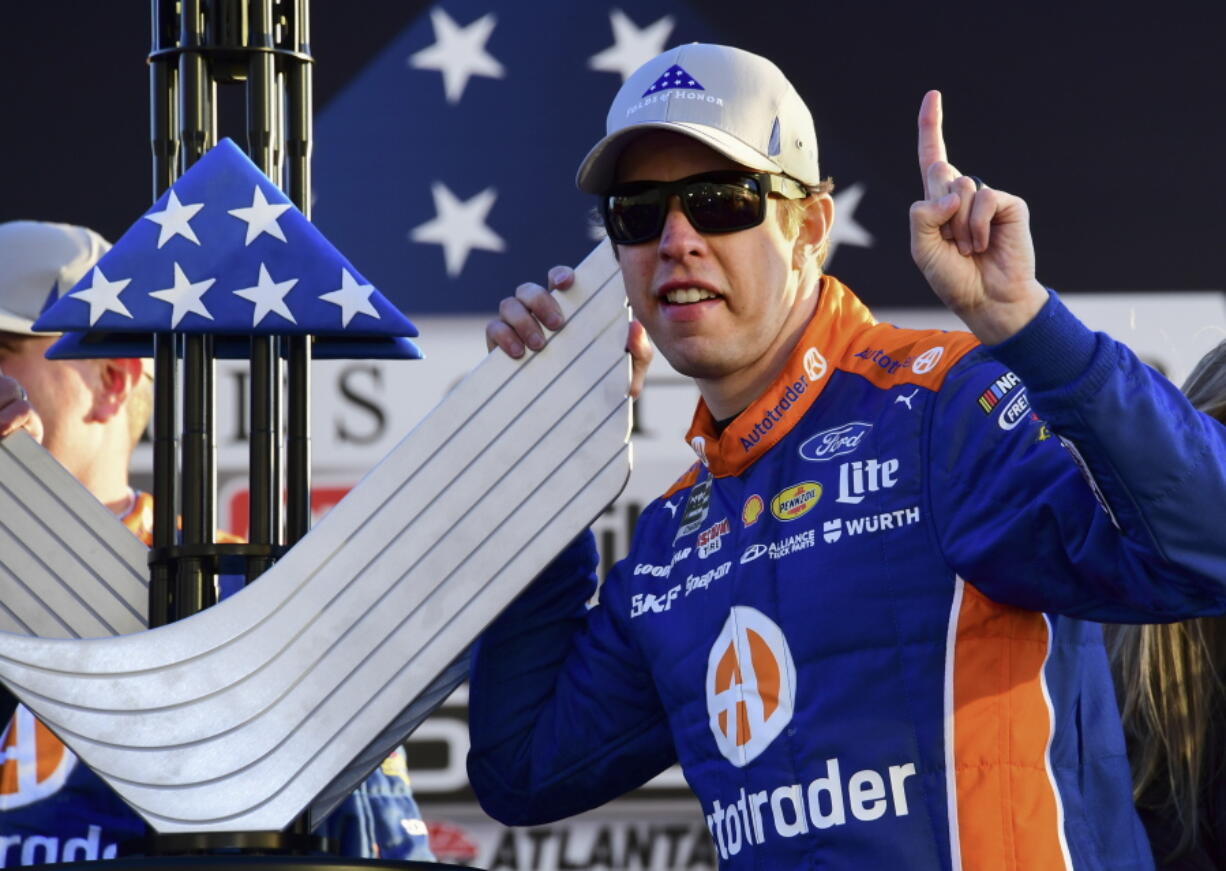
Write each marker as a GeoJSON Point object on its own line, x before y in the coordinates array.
{"type": "Point", "coordinates": [678, 237]}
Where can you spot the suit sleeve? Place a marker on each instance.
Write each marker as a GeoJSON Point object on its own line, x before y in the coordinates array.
{"type": "Point", "coordinates": [563, 715]}
{"type": "Point", "coordinates": [1102, 501]}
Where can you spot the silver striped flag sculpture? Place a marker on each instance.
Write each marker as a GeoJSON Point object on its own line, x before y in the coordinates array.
{"type": "Point", "coordinates": [286, 694]}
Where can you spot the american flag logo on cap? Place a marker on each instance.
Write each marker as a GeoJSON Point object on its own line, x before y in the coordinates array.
{"type": "Point", "coordinates": [674, 77]}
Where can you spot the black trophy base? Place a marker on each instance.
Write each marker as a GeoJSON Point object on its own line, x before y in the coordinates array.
{"type": "Point", "coordinates": [243, 862]}
{"type": "Point", "coordinates": [241, 851]}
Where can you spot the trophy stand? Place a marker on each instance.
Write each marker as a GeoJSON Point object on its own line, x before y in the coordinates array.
{"type": "Point", "coordinates": [264, 47]}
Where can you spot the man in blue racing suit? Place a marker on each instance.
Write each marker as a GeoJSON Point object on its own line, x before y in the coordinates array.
{"type": "Point", "coordinates": [858, 622]}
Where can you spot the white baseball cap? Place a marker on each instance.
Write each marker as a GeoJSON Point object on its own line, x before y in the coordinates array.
{"type": "Point", "coordinates": [736, 102]}
{"type": "Point", "coordinates": [39, 262]}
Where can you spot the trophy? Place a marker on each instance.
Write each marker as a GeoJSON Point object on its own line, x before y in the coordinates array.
{"type": "Point", "coordinates": [233, 727]}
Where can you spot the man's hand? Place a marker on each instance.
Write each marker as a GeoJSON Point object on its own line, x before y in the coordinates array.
{"type": "Point", "coordinates": [16, 412]}
{"type": "Point", "coordinates": [523, 318]}
{"type": "Point", "coordinates": [973, 246]}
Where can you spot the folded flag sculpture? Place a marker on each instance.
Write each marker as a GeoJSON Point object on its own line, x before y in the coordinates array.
{"type": "Point", "coordinates": [284, 695]}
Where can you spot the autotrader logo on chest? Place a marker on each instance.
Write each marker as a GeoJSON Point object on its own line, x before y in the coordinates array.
{"type": "Point", "coordinates": [751, 692]}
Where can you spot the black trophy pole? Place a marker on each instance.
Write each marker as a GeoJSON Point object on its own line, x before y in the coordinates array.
{"type": "Point", "coordinates": [198, 44]}
{"type": "Point", "coordinates": [298, 174]}
{"type": "Point", "coordinates": [298, 348]}
{"type": "Point", "coordinates": [263, 135]}
{"type": "Point", "coordinates": [164, 143]}
{"type": "Point", "coordinates": [194, 585]}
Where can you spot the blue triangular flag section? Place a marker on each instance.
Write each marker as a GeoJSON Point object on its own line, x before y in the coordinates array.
{"type": "Point", "coordinates": [225, 251]}
{"type": "Point", "coordinates": [674, 77]}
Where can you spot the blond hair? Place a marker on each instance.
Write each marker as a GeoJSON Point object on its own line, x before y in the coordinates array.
{"type": "Point", "coordinates": [1169, 677]}
{"type": "Point", "coordinates": [140, 408]}
{"type": "Point", "coordinates": [792, 215]}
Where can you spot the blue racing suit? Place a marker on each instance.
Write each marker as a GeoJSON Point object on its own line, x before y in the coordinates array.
{"type": "Point", "coordinates": [860, 622]}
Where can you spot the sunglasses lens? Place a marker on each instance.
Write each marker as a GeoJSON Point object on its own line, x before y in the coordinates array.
{"type": "Point", "coordinates": [633, 217]}
{"type": "Point", "coordinates": [724, 206]}
{"type": "Point", "coordinates": [714, 202]}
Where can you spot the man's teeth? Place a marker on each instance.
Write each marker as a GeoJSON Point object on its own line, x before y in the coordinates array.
{"type": "Point", "coordinates": [688, 294]}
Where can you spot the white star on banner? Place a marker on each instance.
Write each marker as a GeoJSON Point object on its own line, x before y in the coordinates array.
{"type": "Point", "coordinates": [353, 298]}
{"type": "Point", "coordinates": [174, 220]}
{"type": "Point", "coordinates": [184, 296]}
{"type": "Point", "coordinates": [631, 46]}
{"type": "Point", "coordinates": [268, 296]}
{"type": "Point", "coordinates": [103, 296]}
{"type": "Point", "coordinates": [458, 53]}
{"type": "Point", "coordinates": [846, 230]}
{"type": "Point", "coordinates": [459, 226]}
{"type": "Point", "coordinates": [261, 217]}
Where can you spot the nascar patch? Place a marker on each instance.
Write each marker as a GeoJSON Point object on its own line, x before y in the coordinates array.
{"type": "Point", "coordinates": [990, 398]}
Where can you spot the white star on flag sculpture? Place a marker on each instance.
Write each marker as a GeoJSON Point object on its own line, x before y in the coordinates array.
{"type": "Point", "coordinates": [184, 296]}
{"type": "Point", "coordinates": [632, 46]}
{"type": "Point", "coordinates": [458, 53]}
{"type": "Point", "coordinates": [103, 296]}
{"type": "Point", "coordinates": [175, 219]}
{"type": "Point", "coordinates": [268, 296]}
{"type": "Point", "coordinates": [353, 298]}
{"type": "Point", "coordinates": [459, 226]}
{"type": "Point", "coordinates": [261, 217]}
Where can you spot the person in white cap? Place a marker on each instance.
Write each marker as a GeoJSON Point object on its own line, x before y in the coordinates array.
{"type": "Point", "coordinates": [860, 621]}
{"type": "Point", "coordinates": [89, 414]}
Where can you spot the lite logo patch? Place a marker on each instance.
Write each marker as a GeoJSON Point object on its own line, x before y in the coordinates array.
{"type": "Point", "coordinates": [868, 476]}
{"type": "Point", "coordinates": [750, 691]}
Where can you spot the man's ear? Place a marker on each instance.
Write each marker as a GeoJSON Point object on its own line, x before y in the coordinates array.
{"type": "Point", "coordinates": [814, 236]}
{"type": "Point", "coordinates": [117, 379]}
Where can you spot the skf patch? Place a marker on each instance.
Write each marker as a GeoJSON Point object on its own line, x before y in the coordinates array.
{"type": "Point", "coordinates": [752, 510]}
{"type": "Point", "coordinates": [796, 501]}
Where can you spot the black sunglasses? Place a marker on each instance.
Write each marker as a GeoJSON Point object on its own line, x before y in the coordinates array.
{"type": "Point", "coordinates": [714, 202]}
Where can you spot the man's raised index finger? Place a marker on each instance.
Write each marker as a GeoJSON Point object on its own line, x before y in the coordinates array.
{"type": "Point", "coordinates": [931, 138]}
